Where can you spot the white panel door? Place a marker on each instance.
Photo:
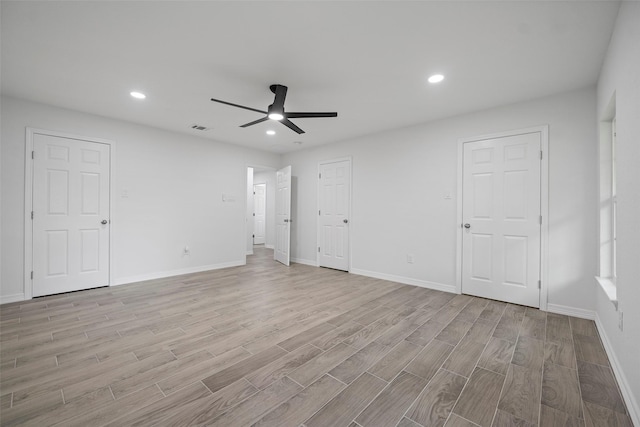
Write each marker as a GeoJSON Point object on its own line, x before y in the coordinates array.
{"type": "Point", "coordinates": [70, 214]}
{"type": "Point", "coordinates": [334, 192]}
{"type": "Point", "coordinates": [283, 215]}
{"type": "Point", "coordinates": [501, 219]}
{"type": "Point", "coordinates": [260, 213]}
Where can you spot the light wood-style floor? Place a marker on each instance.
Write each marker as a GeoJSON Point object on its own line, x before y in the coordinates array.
{"type": "Point", "coordinates": [270, 345]}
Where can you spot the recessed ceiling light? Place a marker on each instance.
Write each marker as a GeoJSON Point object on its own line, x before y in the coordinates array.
{"type": "Point", "coordinates": [271, 132]}
{"type": "Point", "coordinates": [436, 78]}
{"type": "Point", "coordinates": [138, 95]}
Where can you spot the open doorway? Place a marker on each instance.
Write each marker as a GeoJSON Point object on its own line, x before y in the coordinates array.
{"type": "Point", "coordinates": [260, 215]}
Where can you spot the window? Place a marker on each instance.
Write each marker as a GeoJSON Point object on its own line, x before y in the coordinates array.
{"type": "Point", "coordinates": [608, 203]}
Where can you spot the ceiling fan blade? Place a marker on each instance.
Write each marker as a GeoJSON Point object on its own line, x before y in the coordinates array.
{"type": "Point", "coordinates": [239, 106]}
{"type": "Point", "coordinates": [303, 115]}
{"type": "Point", "coordinates": [281, 94]}
{"type": "Point", "coordinates": [255, 122]}
{"type": "Point", "coordinates": [291, 126]}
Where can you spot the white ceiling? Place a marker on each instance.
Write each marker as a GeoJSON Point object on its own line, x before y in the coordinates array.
{"type": "Point", "coordinates": [367, 60]}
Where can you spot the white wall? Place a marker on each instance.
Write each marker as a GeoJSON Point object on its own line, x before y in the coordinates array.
{"type": "Point", "coordinates": [174, 182]}
{"type": "Point", "coordinates": [400, 179]}
{"type": "Point", "coordinates": [621, 74]}
{"type": "Point", "coordinates": [269, 178]}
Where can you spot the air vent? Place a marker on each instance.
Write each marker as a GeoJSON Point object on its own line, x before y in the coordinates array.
{"type": "Point", "coordinates": [200, 127]}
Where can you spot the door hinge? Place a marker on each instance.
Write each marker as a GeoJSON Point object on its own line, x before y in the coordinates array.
{"type": "Point", "coordinates": [254, 214]}
{"type": "Point", "coordinates": [32, 275]}
{"type": "Point", "coordinates": [540, 219]}
{"type": "Point", "coordinates": [318, 249]}
{"type": "Point", "coordinates": [33, 154]}
{"type": "Point", "coordinates": [318, 211]}
{"type": "Point", "coordinates": [539, 284]}
{"type": "Point", "coordinates": [31, 214]}
{"type": "Point", "coordinates": [540, 154]}
{"type": "Point", "coordinates": [320, 176]}
{"type": "Point", "coordinates": [253, 235]}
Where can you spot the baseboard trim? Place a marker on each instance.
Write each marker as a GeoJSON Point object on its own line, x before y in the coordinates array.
{"type": "Point", "coordinates": [304, 261]}
{"type": "Point", "coordinates": [164, 274]}
{"type": "Point", "coordinates": [11, 298]}
{"type": "Point", "coordinates": [406, 280]}
{"type": "Point", "coordinates": [571, 311]}
{"type": "Point", "coordinates": [629, 399]}
{"type": "Point", "coordinates": [269, 246]}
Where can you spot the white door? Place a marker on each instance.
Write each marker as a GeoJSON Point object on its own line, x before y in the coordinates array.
{"type": "Point", "coordinates": [283, 215]}
{"type": "Point", "coordinates": [70, 214]}
{"type": "Point", "coordinates": [501, 218]}
{"type": "Point", "coordinates": [259, 214]}
{"type": "Point", "coordinates": [333, 212]}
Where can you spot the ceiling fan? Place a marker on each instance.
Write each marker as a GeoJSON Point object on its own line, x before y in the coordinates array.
{"type": "Point", "coordinates": [276, 111]}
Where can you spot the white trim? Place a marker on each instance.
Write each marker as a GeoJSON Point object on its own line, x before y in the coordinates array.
{"type": "Point", "coordinates": [28, 207]}
{"type": "Point", "coordinates": [544, 211]}
{"type": "Point", "coordinates": [459, 217]}
{"type": "Point", "coordinates": [305, 261]}
{"type": "Point", "coordinates": [406, 280]}
{"type": "Point", "coordinates": [11, 298]}
{"type": "Point", "coordinates": [633, 407]}
{"type": "Point", "coordinates": [28, 200]}
{"type": "Point", "coordinates": [325, 162]}
{"type": "Point", "coordinates": [248, 220]}
{"type": "Point", "coordinates": [178, 272]}
{"type": "Point", "coordinates": [269, 246]}
{"type": "Point", "coordinates": [608, 286]}
{"type": "Point", "coordinates": [571, 311]}
{"type": "Point", "coordinates": [544, 206]}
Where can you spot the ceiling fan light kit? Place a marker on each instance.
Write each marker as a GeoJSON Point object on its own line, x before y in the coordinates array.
{"type": "Point", "coordinates": [276, 111]}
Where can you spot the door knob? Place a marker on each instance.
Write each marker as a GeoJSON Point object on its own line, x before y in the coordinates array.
{"type": "Point", "coordinates": [346, 221]}
{"type": "Point", "coordinates": [467, 225]}
{"type": "Point", "coordinates": [104, 222]}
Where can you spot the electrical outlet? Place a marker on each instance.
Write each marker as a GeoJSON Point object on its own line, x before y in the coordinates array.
{"type": "Point", "coordinates": [620, 324]}
{"type": "Point", "coordinates": [410, 258]}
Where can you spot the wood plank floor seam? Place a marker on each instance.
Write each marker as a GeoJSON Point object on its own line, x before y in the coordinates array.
{"type": "Point", "coordinates": [269, 344]}
{"type": "Point", "coordinates": [373, 375]}
{"type": "Point", "coordinates": [414, 400]}
{"type": "Point", "coordinates": [454, 405]}
{"type": "Point", "coordinates": [328, 374]}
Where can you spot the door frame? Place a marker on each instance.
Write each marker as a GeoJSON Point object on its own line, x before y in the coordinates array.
{"type": "Point", "coordinates": [28, 200]}
{"type": "Point", "coordinates": [283, 172]}
{"type": "Point", "coordinates": [544, 204]}
{"type": "Point", "coordinates": [318, 189]}
{"type": "Point", "coordinates": [265, 212]}
{"type": "Point", "coordinates": [245, 232]}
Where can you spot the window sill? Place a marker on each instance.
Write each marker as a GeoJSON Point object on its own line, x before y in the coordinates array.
{"type": "Point", "coordinates": [608, 285]}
